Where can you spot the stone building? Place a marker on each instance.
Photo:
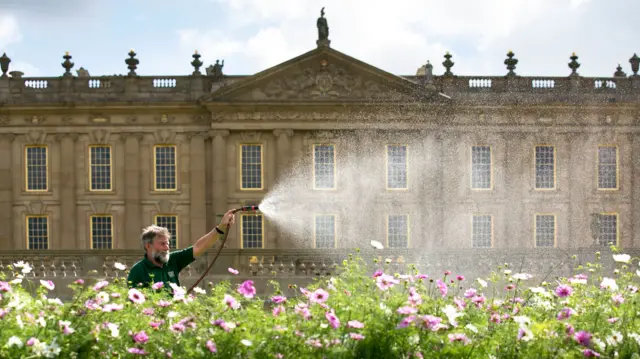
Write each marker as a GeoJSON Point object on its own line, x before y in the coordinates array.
{"type": "Point", "coordinates": [463, 162]}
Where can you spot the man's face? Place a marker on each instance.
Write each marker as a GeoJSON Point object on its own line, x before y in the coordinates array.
{"type": "Point", "coordinates": [160, 249]}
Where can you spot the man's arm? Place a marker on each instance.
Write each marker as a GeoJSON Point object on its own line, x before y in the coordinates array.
{"type": "Point", "coordinates": [208, 240]}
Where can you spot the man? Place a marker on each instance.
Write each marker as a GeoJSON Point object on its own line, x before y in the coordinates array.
{"type": "Point", "coordinates": [164, 266]}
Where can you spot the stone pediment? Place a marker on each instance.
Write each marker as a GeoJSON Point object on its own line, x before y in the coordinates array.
{"type": "Point", "coordinates": [324, 75]}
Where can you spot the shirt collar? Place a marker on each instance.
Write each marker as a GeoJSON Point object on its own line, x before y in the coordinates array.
{"type": "Point", "coordinates": [149, 263]}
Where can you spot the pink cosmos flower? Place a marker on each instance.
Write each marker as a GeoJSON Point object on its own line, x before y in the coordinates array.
{"type": "Point", "coordinates": [148, 311]}
{"type": "Point", "coordinates": [590, 353]}
{"type": "Point", "coordinates": [163, 303]}
{"type": "Point", "coordinates": [333, 319]}
{"type": "Point", "coordinates": [31, 341]}
{"type": "Point", "coordinates": [583, 338]}
{"type": "Point", "coordinates": [178, 327]}
{"type": "Point", "coordinates": [305, 292]}
{"type": "Point", "coordinates": [247, 289]}
{"type": "Point", "coordinates": [459, 337]}
{"type": "Point", "coordinates": [278, 310]}
{"type": "Point", "coordinates": [612, 320]}
{"type": "Point", "coordinates": [319, 296]}
{"type": "Point", "coordinates": [140, 337]}
{"type": "Point", "coordinates": [478, 300]}
{"type": "Point", "coordinates": [137, 351]}
{"type": "Point", "coordinates": [156, 325]}
{"type": "Point", "coordinates": [356, 336]}
{"type": "Point", "coordinates": [442, 286]}
{"type": "Point", "coordinates": [3, 312]}
{"type": "Point", "coordinates": [112, 307]}
{"type": "Point", "coordinates": [563, 291]}
{"type": "Point", "coordinates": [459, 303]}
{"type": "Point", "coordinates": [447, 272]}
{"type": "Point", "coordinates": [4, 287]}
{"type": "Point", "coordinates": [279, 356]}
{"type": "Point", "coordinates": [377, 274]}
{"type": "Point", "coordinates": [470, 292]}
{"type": "Point", "coordinates": [406, 322]}
{"type": "Point", "coordinates": [422, 276]}
{"type": "Point", "coordinates": [565, 314]}
{"type": "Point", "coordinates": [157, 285]}
{"type": "Point", "coordinates": [211, 346]}
{"type": "Point", "coordinates": [495, 318]}
{"type": "Point", "coordinates": [47, 284]}
{"type": "Point", "coordinates": [303, 310]}
{"type": "Point", "coordinates": [617, 299]}
{"type": "Point", "coordinates": [278, 299]}
{"type": "Point", "coordinates": [79, 281]}
{"type": "Point", "coordinates": [407, 310]}
{"type": "Point", "coordinates": [100, 285]}
{"type": "Point", "coordinates": [91, 305]}
{"type": "Point", "coordinates": [136, 296]}
{"type": "Point", "coordinates": [460, 278]}
{"type": "Point", "coordinates": [233, 271]}
{"type": "Point", "coordinates": [231, 302]}
{"type": "Point", "coordinates": [431, 322]}
{"type": "Point", "coordinates": [385, 282]}
{"type": "Point", "coordinates": [414, 297]}
{"type": "Point", "coordinates": [355, 324]}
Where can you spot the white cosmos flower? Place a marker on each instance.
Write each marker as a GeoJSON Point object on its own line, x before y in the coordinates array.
{"type": "Point", "coordinates": [377, 245]}
{"type": "Point", "coordinates": [622, 258]}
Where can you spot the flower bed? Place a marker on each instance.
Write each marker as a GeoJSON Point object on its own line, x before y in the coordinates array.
{"type": "Point", "coordinates": [352, 315]}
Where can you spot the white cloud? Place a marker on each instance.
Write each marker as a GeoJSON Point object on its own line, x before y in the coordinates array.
{"type": "Point", "coordinates": [400, 36]}
{"type": "Point", "coordinates": [9, 30]}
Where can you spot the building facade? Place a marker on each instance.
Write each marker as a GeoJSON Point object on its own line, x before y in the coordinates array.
{"type": "Point", "coordinates": [451, 161]}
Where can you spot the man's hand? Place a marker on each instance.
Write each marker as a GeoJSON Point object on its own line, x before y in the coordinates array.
{"type": "Point", "coordinates": [228, 219]}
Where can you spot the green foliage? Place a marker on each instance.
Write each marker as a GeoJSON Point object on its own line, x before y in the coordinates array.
{"type": "Point", "coordinates": [351, 315]}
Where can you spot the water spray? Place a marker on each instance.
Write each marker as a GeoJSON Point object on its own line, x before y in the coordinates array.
{"type": "Point", "coordinates": [224, 239]}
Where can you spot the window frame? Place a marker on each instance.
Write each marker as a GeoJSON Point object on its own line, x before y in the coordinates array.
{"type": "Point", "coordinates": [26, 169]}
{"type": "Point", "coordinates": [408, 233]}
{"type": "Point", "coordinates": [617, 188]}
{"type": "Point", "coordinates": [491, 179]}
{"type": "Point", "coordinates": [240, 147]}
{"type": "Point", "coordinates": [242, 229]}
{"type": "Point", "coordinates": [335, 229]}
{"type": "Point", "coordinates": [535, 229]}
{"type": "Point", "coordinates": [26, 231]}
{"type": "Point", "coordinates": [535, 168]}
{"type": "Point", "coordinates": [313, 166]}
{"type": "Point", "coordinates": [406, 167]}
{"type": "Point", "coordinates": [155, 168]}
{"type": "Point", "coordinates": [617, 215]}
{"type": "Point", "coordinates": [90, 171]}
{"type": "Point", "coordinates": [177, 234]}
{"type": "Point", "coordinates": [91, 234]}
{"type": "Point", "coordinates": [492, 234]}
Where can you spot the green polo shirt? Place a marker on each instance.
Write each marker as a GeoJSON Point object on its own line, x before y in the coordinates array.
{"type": "Point", "coordinates": [141, 272]}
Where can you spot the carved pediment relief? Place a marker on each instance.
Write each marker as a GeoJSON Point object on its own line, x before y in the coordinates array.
{"type": "Point", "coordinates": [100, 207]}
{"type": "Point", "coordinates": [321, 75]}
{"type": "Point", "coordinates": [36, 207]}
{"type": "Point", "coordinates": [165, 206]}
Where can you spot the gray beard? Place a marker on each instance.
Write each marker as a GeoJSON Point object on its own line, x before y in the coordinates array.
{"type": "Point", "coordinates": [160, 257]}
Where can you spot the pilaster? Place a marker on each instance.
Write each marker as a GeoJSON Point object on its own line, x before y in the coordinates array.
{"type": "Point", "coordinates": [197, 182]}
{"type": "Point", "coordinates": [132, 195]}
{"type": "Point", "coordinates": [219, 168]}
{"type": "Point", "coordinates": [283, 158]}
{"type": "Point", "coordinates": [6, 192]}
{"type": "Point", "coordinates": [67, 180]}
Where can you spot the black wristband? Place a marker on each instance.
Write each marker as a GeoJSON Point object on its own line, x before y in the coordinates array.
{"type": "Point", "coordinates": [218, 230]}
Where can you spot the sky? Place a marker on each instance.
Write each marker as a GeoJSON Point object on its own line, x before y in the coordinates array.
{"type": "Point", "coordinates": [252, 35]}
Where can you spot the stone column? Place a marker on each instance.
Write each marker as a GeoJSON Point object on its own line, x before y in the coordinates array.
{"type": "Point", "coordinates": [67, 178]}
{"type": "Point", "coordinates": [6, 193]}
{"type": "Point", "coordinates": [283, 161]}
{"type": "Point", "coordinates": [219, 172]}
{"type": "Point", "coordinates": [18, 179]}
{"type": "Point", "coordinates": [132, 195]}
{"type": "Point", "coordinates": [635, 191]}
{"type": "Point", "coordinates": [197, 182]}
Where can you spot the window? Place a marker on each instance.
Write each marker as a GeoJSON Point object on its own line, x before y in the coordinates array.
{"type": "Point", "coordinates": [169, 222]}
{"type": "Point", "coordinates": [252, 229]}
{"type": "Point", "coordinates": [545, 167]}
{"type": "Point", "coordinates": [482, 231]}
{"type": "Point", "coordinates": [545, 230]}
{"type": "Point", "coordinates": [481, 167]}
{"type": "Point", "coordinates": [164, 168]}
{"type": "Point", "coordinates": [608, 229]}
{"type": "Point", "coordinates": [398, 231]}
{"type": "Point", "coordinates": [396, 167]}
{"type": "Point", "coordinates": [100, 168]}
{"type": "Point", "coordinates": [324, 166]}
{"type": "Point", "coordinates": [37, 232]}
{"type": "Point", "coordinates": [101, 232]}
{"type": "Point", "coordinates": [607, 167]}
{"type": "Point", "coordinates": [325, 231]}
{"type": "Point", "coordinates": [251, 166]}
{"type": "Point", "coordinates": [36, 164]}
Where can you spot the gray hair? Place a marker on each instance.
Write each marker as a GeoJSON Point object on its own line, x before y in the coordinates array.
{"type": "Point", "coordinates": [149, 233]}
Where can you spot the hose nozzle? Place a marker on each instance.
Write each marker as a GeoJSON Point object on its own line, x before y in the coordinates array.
{"type": "Point", "coordinates": [246, 209]}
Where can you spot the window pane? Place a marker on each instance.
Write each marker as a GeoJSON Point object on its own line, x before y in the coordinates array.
{"type": "Point", "coordinates": [607, 167]}
{"type": "Point", "coordinates": [251, 231]}
{"type": "Point", "coordinates": [325, 231]}
{"type": "Point", "coordinates": [165, 168]}
{"type": "Point", "coordinates": [36, 168]}
{"type": "Point", "coordinates": [251, 166]}
{"type": "Point", "coordinates": [481, 231]}
{"type": "Point", "coordinates": [396, 166]}
{"type": "Point", "coordinates": [101, 232]}
{"type": "Point", "coordinates": [545, 167]}
{"type": "Point", "coordinates": [608, 229]}
{"type": "Point", "coordinates": [481, 167]}
{"type": "Point", "coordinates": [100, 168]}
{"type": "Point", "coordinates": [170, 223]}
{"type": "Point", "coordinates": [398, 231]}
{"type": "Point", "coordinates": [545, 230]}
{"type": "Point", "coordinates": [38, 232]}
{"type": "Point", "coordinates": [324, 166]}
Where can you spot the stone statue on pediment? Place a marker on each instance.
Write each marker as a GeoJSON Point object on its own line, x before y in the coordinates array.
{"type": "Point", "coordinates": [323, 27]}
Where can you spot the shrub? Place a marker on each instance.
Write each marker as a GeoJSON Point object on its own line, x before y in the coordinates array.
{"type": "Point", "coordinates": [351, 315]}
